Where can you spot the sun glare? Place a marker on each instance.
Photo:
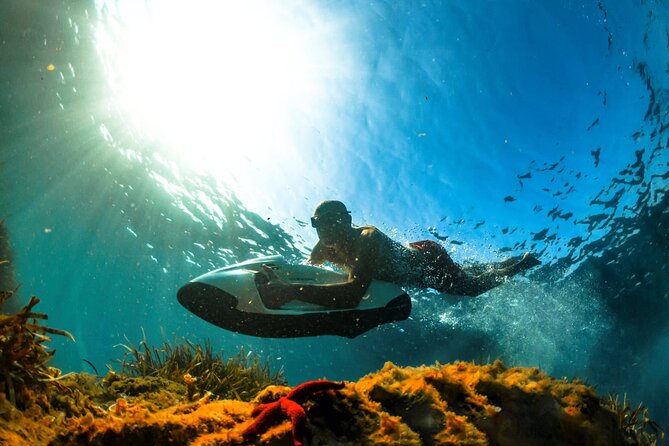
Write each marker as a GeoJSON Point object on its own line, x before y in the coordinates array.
{"type": "Point", "coordinates": [224, 84]}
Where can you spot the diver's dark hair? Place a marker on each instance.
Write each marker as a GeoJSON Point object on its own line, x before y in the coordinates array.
{"type": "Point", "coordinates": [331, 207]}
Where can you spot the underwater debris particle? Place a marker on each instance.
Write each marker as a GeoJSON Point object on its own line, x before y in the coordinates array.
{"type": "Point", "coordinates": [436, 235]}
{"type": "Point", "coordinates": [613, 202]}
{"type": "Point", "coordinates": [594, 123]}
{"type": "Point", "coordinates": [556, 212]}
{"type": "Point", "coordinates": [595, 154]}
{"type": "Point", "coordinates": [600, 6]}
{"type": "Point", "coordinates": [540, 235]}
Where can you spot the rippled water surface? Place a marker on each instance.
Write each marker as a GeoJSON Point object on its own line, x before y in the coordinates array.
{"type": "Point", "coordinates": [144, 144]}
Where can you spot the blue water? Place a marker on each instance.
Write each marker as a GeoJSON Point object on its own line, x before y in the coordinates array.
{"type": "Point", "coordinates": [143, 145]}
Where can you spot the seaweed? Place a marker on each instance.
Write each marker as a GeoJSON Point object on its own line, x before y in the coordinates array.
{"type": "Point", "coordinates": [634, 422]}
{"type": "Point", "coordinates": [202, 371]}
{"type": "Point", "coordinates": [5, 295]}
{"type": "Point", "coordinates": [23, 356]}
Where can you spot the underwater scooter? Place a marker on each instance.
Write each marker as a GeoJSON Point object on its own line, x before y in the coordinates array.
{"type": "Point", "coordinates": [230, 298]}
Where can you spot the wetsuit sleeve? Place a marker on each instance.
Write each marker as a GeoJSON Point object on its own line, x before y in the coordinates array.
{"type": "Point", "coordinates": [337, 295]}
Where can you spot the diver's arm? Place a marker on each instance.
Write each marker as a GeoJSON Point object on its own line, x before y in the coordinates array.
{"type": "Point", "coordinates": [335, 295]}
{"type": "Point", "coordinates": [320, 254]}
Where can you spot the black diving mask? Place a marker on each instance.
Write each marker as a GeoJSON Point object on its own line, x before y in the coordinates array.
{"type": "Point", "coordinates": [327, 220]}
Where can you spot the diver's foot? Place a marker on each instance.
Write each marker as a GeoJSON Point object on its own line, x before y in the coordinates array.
{"type": "Point", "coordinates": [528, 261]}
{"type": "Point", "coordinates": [511, 261]}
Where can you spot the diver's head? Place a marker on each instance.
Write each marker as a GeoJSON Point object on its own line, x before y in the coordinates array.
{"type": "Point", "coordinates": [332, 221]}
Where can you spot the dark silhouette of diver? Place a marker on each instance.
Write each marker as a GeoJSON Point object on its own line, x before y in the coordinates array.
{"type": "Point", "coordinates": [366, 253]}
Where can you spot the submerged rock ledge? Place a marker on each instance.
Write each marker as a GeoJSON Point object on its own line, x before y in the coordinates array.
{"type": "Point", "coordinates": [451, 404]}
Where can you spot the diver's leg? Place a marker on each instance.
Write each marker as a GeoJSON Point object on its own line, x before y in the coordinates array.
{"type": "Point", "coordinates": [473, 285]}
{"type": "Point", "coordinates": [507, 262]}
{"type": "Point", "coordinates": [527, 261]}
{"type": "Point", "coordinates": [503, 264]}
{"type": "Point", "coordinates": [476, 268]}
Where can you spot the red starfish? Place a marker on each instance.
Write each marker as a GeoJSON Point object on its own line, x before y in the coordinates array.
{"type": "Point", "coordinates": [287, 406]}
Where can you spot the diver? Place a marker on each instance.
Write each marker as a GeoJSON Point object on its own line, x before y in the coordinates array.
{"type": "Point", "coordinates": [366, 253]}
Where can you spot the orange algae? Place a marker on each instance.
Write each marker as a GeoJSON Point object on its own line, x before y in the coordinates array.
{"type": "Point", "coordinates": [392, 431]}
{"type": "Point", "coordinates": [464, 403]}
{"type": "Point", "coordinates": [180, 424]}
